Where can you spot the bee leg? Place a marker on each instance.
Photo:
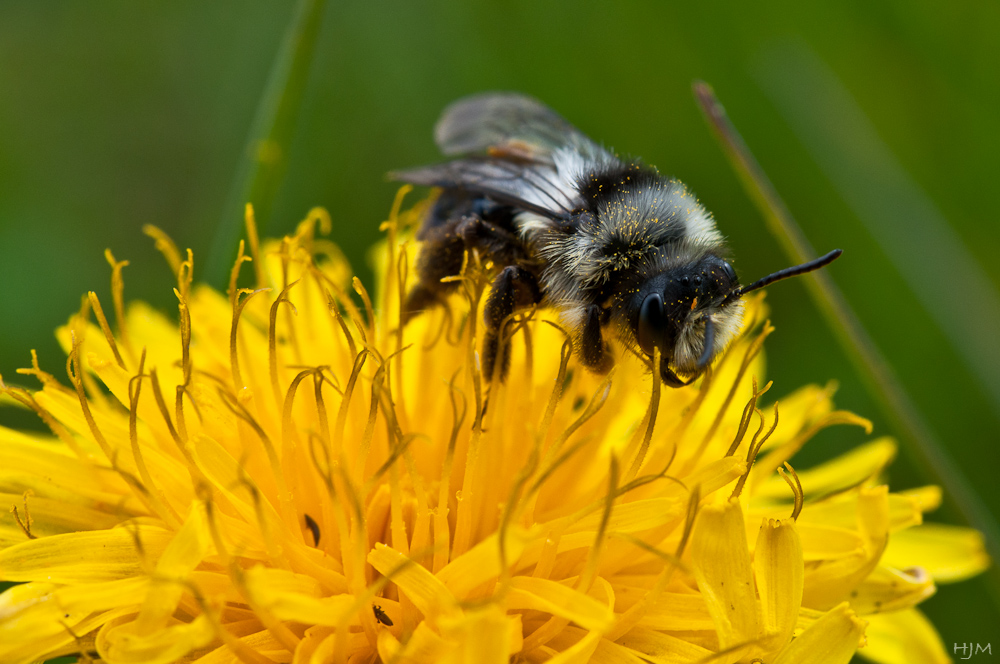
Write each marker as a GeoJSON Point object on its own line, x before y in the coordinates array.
{"type": "Point", "coordinates": [669, 378]}
{"type": "Point", "coordinates": [503, 246]}
{"type": "Point", "coordinates": [441, 256]}
{"type": "Point", "coordinates": [594, 352]}
{"type": "Point", "coordinates": [514, 288]}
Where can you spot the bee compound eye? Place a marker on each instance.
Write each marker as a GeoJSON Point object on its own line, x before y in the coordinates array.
{"type": "Point", "coordinates": [652, 322]}
{"type": "Point", "coordinates": [729, 271]}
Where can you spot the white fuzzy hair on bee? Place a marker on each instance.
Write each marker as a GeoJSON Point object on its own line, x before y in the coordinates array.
{"type": "Point", "coordinates": [607, 242]}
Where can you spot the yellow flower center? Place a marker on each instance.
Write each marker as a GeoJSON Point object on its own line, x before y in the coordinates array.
{"type": "Point", "coordinates": [288, 474]}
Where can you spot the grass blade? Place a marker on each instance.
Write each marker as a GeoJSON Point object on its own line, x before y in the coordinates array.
{"type": "Point", "coordinates": [915, 235]}
{"type": "Point", "coordinates": [868, 360]}
{"type": "Point", "coordinates": [265, 157]}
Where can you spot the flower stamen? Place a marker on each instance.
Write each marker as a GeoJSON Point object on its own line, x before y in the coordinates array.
{"type": "Point", "coordinates": [360, 289]}
{"type": "Point", "coordinates": [345, 402]}
{"type": "Point", "coordinates": [551, 464]}
{"type": "Point", "coordinates": [103, 322]}
{"type": "Point", "coordinates": [79, 324]}
{"type": "Point", "coordinates": [84, 655]}
{"type": "Point", "coordinates": [402, 268]}
{"type": "Point", "coordinates": [272, 338]}
{"type": "Point", "coordinates": [548, 530]}
{"type": "Point", "coordinates": [74, 371]}
{"type": "Point", "coordinates": [166, 246]}
{"type": "Point", "coordinates": [45, 378]}
{"type": "Point", "coordinates": [748, 411]}
{"type": "Point", "coordinates": [339, 295]}
{"type": "Point", "coordinates": [250, 221]}
{"type": "Point", "coordinates": [559, 385]}
{"type": "Point", "coordinates": [334, 309]}
{"type": "Point", "coordinates": [796, 486]}
{"type": "Point", "coordinates": [234, 275]}
{"type": "Point", "coordinates": [118, 297]}
{"type": "Point", "coordinates": [160, 502]}
{"type": "Point", "coordinates": [24, 397]}
{"type": "Point", "coordinates": [779, 455]}
{"type": "Point", "coordinates": [754, 449]}
{"type": "Point", "coordinates": [238, 306]}
{"type": "Point", "coordinates": [654, 405]}
{"type": "Point", "coordinates": [752, 351]}
{"type": "Point", "coordinates": [26, 524]}
{"type": "Point", "coordinates": [241, 412]}
{"type": "Point", "coordinates": [442, 527]}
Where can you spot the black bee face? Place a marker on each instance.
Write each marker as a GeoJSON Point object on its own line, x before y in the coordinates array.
{"type": "Point", "coordinates": [676, 299]}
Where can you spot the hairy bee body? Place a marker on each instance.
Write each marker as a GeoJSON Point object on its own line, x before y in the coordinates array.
{"type": "Point", "coordinates": [611, 244]}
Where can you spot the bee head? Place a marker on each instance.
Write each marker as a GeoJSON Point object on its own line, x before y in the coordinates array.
{"type": "Point", "coordinates": [680, 311]}
{"type": "Point", "coordinates": [692, 311]}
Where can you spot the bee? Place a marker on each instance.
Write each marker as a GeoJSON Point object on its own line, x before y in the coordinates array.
{"type": "Point", "coordinates": [612, 245]}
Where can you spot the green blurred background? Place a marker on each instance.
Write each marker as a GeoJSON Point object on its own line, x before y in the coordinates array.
{"type": "Point", "coordinates": [875, 120]}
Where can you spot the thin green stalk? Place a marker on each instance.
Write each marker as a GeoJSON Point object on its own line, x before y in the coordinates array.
{"type": "Point", "coordinates": [265, 157]}
{"type": "Point", "coordinates": [871, 365]}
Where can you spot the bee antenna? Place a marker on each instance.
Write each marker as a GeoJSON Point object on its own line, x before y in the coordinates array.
{"type": "Point", "coordinates": [706, 354]}
{"type": "Point", "coordinates": [793, 271]}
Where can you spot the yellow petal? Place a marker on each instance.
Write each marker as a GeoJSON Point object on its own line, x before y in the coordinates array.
{"type": "Point", "coordinates": [888, 589]}
{"type": "Point", "coordinates": [263, 580]}
{"type": "Point", "coordinates": [51, 516]}
{"type": "Point", "coordinates": [425, 645]}
{"type": "Point", "coordinates": [119, 643]}
{"type": "Point", "coordinates": [351, 645]}
{"type": "Point", "coordinates": [260, 642]}
{"type": "Point", "coordinates": [928, 498]}
{"type": "Point", "coordinates": [480, 564]}
{"type": "Point", "coordinates": [424, 589]}
{"type": "Point", "coordinates": [844, 471]}
{"type": "Point", "coordinates": [947, 553]}
{"type": "Point", "coordinates": [831, 582]}
{"type": "Point", "coordinates": [820, 542]}
{"type": "Point", "coordinates": [721, 559]}
{"type": "Point", "coordinates": [711, 476]}
{"type": "Point", "coordinates": [800, 408]}
{"type": "Point", "coordinates": [580, 652]}
{"type": "Point", "coordinates": [87, 557]}
{"type": "Point", "coordinates": [296, 597]}
{"type": "Point", "coordinates": [905, 510]}
{"type": "Point", "coordinates": [678, 612]}
{"type": "Point", "coordinates": [834, 475]}
{"type": "Point", "coordinates": [150, 329]}
{"type": "Point", "coordinates": [608, 652]}
{"type": "Point", "coordinates": [38, 613]}
{"type": "Point", "coordinates": [832, 639]}
{"type": "Point", "coordinates": [483, 636]}
{"type": "Point", "coordinates": [553, 597]}
{"type": "Point", "coordinates": [906, 637]}
{"type": "Point", "coordinates": [59, 644]}
{"type": "Point", "coordinates": [182, 555]}
{"type": "Point", "coordinates": [50, 470]}
{"type": "Point", "coordinates": [778, 568]}
{"type": "Point", "coordinates": [663, 648]}
{"type": "Point", "coordinates": [389, 649]}
{"type": "Point", "coordinates": [634, 516]}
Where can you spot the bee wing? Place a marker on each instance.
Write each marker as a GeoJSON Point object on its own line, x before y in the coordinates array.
{"type": "Point", "coordinates": [513, 138]}
{"type": "Point", "coordinates": [526, 185]}
{"type": "Point", "coordinates": [509, 124]}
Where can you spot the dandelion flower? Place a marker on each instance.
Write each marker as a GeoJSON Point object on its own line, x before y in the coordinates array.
{"type": "Point", "coordinates": [286, 475]}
